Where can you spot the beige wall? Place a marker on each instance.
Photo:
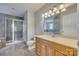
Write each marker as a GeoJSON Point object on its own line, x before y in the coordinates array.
{"type": "Point", "coordinates": [78, 17]}
{"type": "Point", "coordinates": [29, 26]}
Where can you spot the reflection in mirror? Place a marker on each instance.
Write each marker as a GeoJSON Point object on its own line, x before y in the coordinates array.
{"type": "Point", "coordinates": [52, 24]}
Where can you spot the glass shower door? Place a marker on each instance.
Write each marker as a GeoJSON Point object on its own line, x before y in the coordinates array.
{"type": "Point", "coordinates": [18, 30]}
{"type": "Point", "coordinates": [8, 30]}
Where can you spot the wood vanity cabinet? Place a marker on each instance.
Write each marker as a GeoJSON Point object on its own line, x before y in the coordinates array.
{"type": "Point", "coordinates": [2, 43]}
{"type": "Point", "coordinates": [48, 48]}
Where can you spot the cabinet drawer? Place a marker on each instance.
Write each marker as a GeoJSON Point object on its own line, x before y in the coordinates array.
{"type": "Point", "coordinates": [63, 49]}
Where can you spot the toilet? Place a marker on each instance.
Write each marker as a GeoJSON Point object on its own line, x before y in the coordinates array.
{"type": "Point", "coordinates": [31, 44]}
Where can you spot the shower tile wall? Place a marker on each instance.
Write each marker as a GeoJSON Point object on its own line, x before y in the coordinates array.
{"type": "Point", "coordinates": [9, 30]}
{"type": "Point", "coordinates": [2, 26]}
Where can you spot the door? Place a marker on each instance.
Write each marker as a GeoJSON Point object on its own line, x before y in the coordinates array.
{"type": "Point", "coordinates": [43, 50]}
{"type": "Point", "coordinates": [50, 51]}
{"type": "Point", "coordinates": [17, 30]}
{"type": "Point", "coordinates": [8, 30]}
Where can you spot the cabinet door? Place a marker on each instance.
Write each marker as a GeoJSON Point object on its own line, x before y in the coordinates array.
{"type": "Point", "coordinates": [38, 48]}
{"type": "Point", "coordinates": [43, 50]}
{"type": "Point", "coordinates": [58, 53]}
{"type": "Point", "coordinates": [75, 52]}
{"type": "Point", "coordinates": [50, 51]}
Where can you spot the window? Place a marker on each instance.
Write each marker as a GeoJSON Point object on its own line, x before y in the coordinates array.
{"type": "Point", "coordinates": [52, 24]}
{"type": "Point", "coordinates": [48, 25]}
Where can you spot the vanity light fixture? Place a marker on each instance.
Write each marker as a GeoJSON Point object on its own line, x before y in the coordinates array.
{"type": "Point", "coordinates": [64, 9]}
{"type": "Point", "coordinates": [61, 6]}
{"type": "Point", "coordinates": [46, 14]}
{"type": "Point", "coordinates": [56, 10]}
{"type": "Point", "coordinates": [42, 15]}
{"type": "Point", "coordinates": [52, 13]}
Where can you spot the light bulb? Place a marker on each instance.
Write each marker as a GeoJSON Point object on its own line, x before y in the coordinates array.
{"type": "Point", "coordinates": [50, 11]}
{"type": "Point", "coordinates": [42, 15]}
{"type": "Point", "coordinates": [46, 13]}
{"type": "Point", "coordinates": [52, 14]}
{"type": "Point", "coordinates": [61, 6]}
{"type": "Point", "coordinates": [45, 16]}
{"type": "Point", "coordinates": [57, 12]}
{"type": "Point", "coordinates": [49, 15]}
{"type": "Point", "coordinates": [55, 9]}
{"type": "Point", "coordinates": [64, 9]}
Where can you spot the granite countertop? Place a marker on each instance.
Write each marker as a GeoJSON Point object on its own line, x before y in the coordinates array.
{"type": "Point", "coordinates": [61, 40]}
{"type": "Point", "coordinates": [2, 38]}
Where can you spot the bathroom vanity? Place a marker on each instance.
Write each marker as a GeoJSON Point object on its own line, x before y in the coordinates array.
{"type": "Point", "coordinates": [55, 46]}
{"type": "Point", "coordinates": [2, 42]}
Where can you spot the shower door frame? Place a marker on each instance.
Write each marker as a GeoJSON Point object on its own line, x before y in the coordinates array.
{"type": "Point", "coordinates": [13, 23]}
{"type": "Point", "coordinates": [6, 19]}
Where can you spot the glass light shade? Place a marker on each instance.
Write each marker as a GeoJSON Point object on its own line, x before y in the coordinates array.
{"type": "Point", "coordinates": [49, 15]}
{"type": "Point", "coordinates": [57, 12]}
{"type": "Point", "coordinates": [55, 9]}
{"type": "Point", "coordinates": [52, 14]}
{"type": "Point", "coordinates": [46, 13]}
{"type": "Point", "coordinates": [50, 11]}
{"type": "Point", "coordinates": [45, 16]}
{"type": "Point", "coordinates": [61, 6]}
{"type": "Point", "coordinates": [64, 9]}
{"type": "Point", "coordinates": [42, 15]}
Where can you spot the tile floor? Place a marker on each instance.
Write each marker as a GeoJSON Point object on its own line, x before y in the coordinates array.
{"type": "Point", "coordinates": [17, 50]}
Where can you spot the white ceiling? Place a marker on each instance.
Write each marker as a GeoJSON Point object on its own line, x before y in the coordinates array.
{"type": "Point", "coordinates": [18, 9]}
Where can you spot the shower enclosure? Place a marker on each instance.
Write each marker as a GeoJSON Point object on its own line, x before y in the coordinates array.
{"type": "Point", "coordinates": [14, 30]}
